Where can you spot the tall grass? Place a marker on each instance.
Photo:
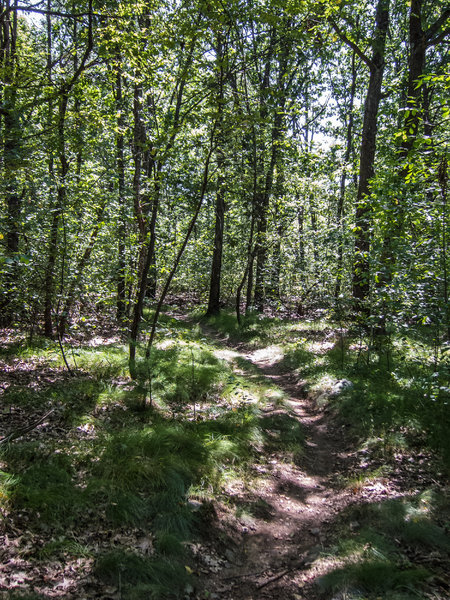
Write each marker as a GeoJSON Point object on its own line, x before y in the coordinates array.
{"type": "Point", "coordinates": [106, 465]}
{"type": "Point", "coordinates": [103, 464]}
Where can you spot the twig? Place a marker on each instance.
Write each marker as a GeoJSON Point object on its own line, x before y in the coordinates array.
{"type": "Point", "coordinates": [274, 578]}
{"type": "Point", "coordinates": [299, 565]}
{"type": "Point", "coordinates": [14, 435]}
{"type": "Point", "coordinates": [64, 356]}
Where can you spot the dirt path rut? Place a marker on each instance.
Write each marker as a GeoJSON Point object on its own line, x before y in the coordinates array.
{"type": "Point", "coordinates": [296, 501]}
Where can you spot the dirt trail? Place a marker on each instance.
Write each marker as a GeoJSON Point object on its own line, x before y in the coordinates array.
{"type": "Point", "coordinates": [278, 544]}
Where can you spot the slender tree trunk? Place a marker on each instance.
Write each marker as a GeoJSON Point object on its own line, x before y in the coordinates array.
{"type": "Point", "coordinates": [417, 115]}
{"type": "Point", "coordinates": [443, 182]}
{"type": "Point", "coordinates": [266, 189]}
{"type": "Point", "coordinates": [261, 197]}
{"type": "Point", "coordinates": [63, 166]}
{"type": "Point", "coordinates": [313, 215]}
{"type": "Point", "coordinates": [251, 256]}
{"type": "Point", "coordinates": [216, 267]}
{"type": "Point", "coordinates": [203, 188]}
{"type": "Point", "coordinates": [138, 145]}
{"type": "Point", "coordinates": [342, 188]}
{"type": "Point", "coordinates": [12, 150]}
{"type": "Point", "coordinates": [152, 163]}
{"type": "Point", "coordinates": [361, 268]}
{"type": "Point", "coordinates": [120, 166]}
{"type": "Point", "coordinates": [57, 211]}
{"type": "Point", "coordinates": [261, 251]}
{"type": "Point", "coordinates": [151, 258]}
{"type": "Point", "coordinates": [416, 67]}
{"type": "Point", "coordinates": [74, 284]}
{"type": "Point", "coordinates": [275, 271]}
{"type": "Point", "coordinates": [49, 272]}
{"type": "Point", "coordinates": [301, 239]}
{"type": "Point", "coordinates": [251, 252]}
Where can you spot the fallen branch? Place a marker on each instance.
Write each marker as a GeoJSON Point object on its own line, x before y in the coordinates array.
{"type": "Point", "coordinates": [18, 433]}
{"type": "Point", "coordinates": [295, 567]}
{"type": "Point", "coordinates": [291, 569]}
{"type": "Point", "coordinates": [273, 579]}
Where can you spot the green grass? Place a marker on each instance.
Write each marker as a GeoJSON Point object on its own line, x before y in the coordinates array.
{"type": "Point", "coordinates": [140, 578]}
{"type": "Point", "coordinates": [63, 546]}
{"type": "Point", "coordinates": [110, 466]}
{"type": "Point", "coordinates": [399, 395]}
{"type": "Point", "coordinates": [375, 577]}
{"type": "Point", "coordinates": [388, 552]}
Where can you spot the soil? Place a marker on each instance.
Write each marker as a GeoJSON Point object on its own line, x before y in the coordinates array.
{"type": "Point", "coordinates": [259, 539]}
{"type": "Point", "coordinates": [272, 553]}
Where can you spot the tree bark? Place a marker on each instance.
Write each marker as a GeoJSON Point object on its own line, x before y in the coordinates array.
{"type": "Point", "coordinates": [153, 163]}
{"type": "Point", "coordinates": [265, 191]}
{"type": "Point", "coordinates": [57, 211]}
{"type": "Point", "coordinates": [63, 166]}
{"type": "Point", "coordinates": [216, 266]}
{"type": "Point", "coordinates": [120, 166]}
{"type": "Point", "coordinates": [12, 150]}
{"type": "Point", "coordinates": [361, 267]}
{"type": "Point", "coordinates": [342, 187]}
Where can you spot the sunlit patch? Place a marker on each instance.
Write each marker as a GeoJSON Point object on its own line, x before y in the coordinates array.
{"type": "Point", "coordinates": [166, 344]}
{"type": "Point", "coordinates": [321, 347]}
{"type": "Point", "coordinates": [270, 354]}
{"type": "Point", "coordinates": [226, 354]}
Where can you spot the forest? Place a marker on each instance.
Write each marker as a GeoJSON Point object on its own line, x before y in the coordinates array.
{"type": "Point", "coordinates": [224, 304]}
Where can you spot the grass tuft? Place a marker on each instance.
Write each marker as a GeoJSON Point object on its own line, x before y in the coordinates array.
{"type": "Point", "coordinates": [141, 578]}
{"type": "Point", "coordinates": [373, 576]}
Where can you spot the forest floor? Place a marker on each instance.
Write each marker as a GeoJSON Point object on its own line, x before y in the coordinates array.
{"type": "Point", "coordinates": [294, 509]}
{"type": "Point", "coordinates": [315, 513]}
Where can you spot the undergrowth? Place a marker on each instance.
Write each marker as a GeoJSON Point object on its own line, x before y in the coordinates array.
{"type": "Point", "coordinates": [399, 393]}
{"type": "Point", "coordinates": [114, 463]}
{"type": "Point", "coordinates": [396, 547]}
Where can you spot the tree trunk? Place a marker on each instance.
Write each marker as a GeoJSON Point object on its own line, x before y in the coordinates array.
{"type": "Point", "coordinates": [347, 161]}
{"type": "Point", "coordinates": [12, 150]}
{"type": "Point", "coordinates": [216, 267]}
{"type": "Point", "coordinates": [180, 253]}
{"type": "Point", "coordinates": [301, 241]}
{"type": "Point", "coordinates": [72, 288]}
{"type": "Point", "coordinates": [120, 166]}
{"type": "Point", "coordinates": [361, 268]}
{"type": "Point", "coordinates": [265, 192]}
{"type": "Point", "coordinates": [63, 167]}
{"type": "Point", "coordinates": [57, 210]}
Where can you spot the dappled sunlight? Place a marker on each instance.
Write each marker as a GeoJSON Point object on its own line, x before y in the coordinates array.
{"type": "Point", "coordinates": [250, 443]}
{"type": "Point", "coordinates": [270, 355]}
{"type": "Point", "coordinates": [226, 354]}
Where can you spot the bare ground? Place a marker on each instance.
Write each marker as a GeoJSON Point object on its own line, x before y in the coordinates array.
{"type": "Point", "coordinates": [272, 553]}
{"type": "Point", "coordinates": [260, 538]}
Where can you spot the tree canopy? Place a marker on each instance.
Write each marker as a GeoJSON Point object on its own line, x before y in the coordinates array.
{"type": "Point", "coordinates": [262, 154]}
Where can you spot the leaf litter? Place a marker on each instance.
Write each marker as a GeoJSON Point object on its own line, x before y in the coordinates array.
{"type": "Point", "coordinates": [265, 537]}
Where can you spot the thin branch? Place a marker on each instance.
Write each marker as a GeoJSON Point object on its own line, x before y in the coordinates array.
{"type": "Point", "coordinates": [18, 433]}
{"type": "Point", "coordinates": [351, 43]}
{"type": "Point", "coordinates": [64, 356]}
{"type": "Point", "coordinates": [186, 239]}
{"type": "Point", "coordinates": [439, 38]}
{"type": "Point", "coordinates": [54, 13]}
{"type": "Point", "coordinates": [435, 27]}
